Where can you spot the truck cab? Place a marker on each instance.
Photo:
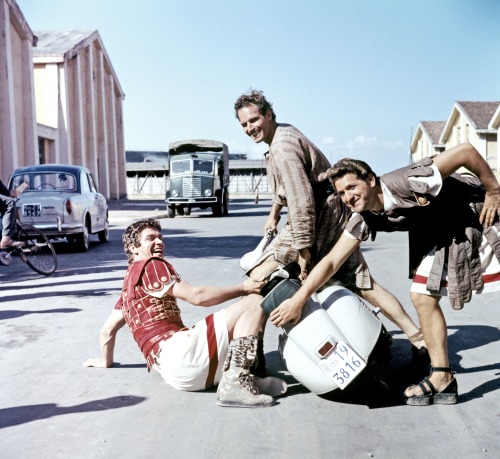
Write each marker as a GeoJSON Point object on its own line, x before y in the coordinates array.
{"type": "Point", "coordinates": [198, 177]}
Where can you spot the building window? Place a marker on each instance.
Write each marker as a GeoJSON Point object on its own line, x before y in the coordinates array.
{"type": "Point", "coordinates": [42, 159]}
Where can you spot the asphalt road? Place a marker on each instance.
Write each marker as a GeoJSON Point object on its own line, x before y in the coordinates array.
{"type": "Point", "coordinates": [53, 407]}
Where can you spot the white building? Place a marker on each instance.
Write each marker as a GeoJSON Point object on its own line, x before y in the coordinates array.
{"type": "Point", "coordinates": [18, 144]}
{"type": "Point", "coordinates": [474, 122]}
{"type": "Point", "coordinates": [60, 101]}
{"type": "Point", "coordinates": [79, 106]}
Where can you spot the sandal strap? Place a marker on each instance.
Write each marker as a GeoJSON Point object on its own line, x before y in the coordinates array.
{"type": "Point", "coordinates": [416, 337]}
{"type": "Point", "coordinates": [441, 369]}
{"type": "Point", "coordinates": [427, 390]}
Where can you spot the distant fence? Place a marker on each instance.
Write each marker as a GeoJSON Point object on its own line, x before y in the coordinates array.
{"type": "Point", "coordinates": [153, 184]}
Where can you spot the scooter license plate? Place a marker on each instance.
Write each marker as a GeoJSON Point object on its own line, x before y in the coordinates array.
{"type": "Point", "coordinates": [342, 365]}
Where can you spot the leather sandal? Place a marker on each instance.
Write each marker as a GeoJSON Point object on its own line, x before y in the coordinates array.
{"type": "Point", "coordinates": [429, 396]}
{"type": "Point", "coordinates": [419, 356]}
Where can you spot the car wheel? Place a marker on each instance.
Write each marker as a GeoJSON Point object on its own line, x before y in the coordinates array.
{"type": "Point", "coordinates": [171, 211]}
{"type": "Point", "coordinates": [82, 239]}
{"type": "Point", "coordinates": [104, 234]}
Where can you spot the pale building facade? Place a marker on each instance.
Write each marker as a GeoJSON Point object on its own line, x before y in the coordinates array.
{"type": "Point", "coordinates": [474, 122]}
{"type": "Point", "coordinates": [495, 126]}
{"type": "Point", "coordinates": [469, 122]}
{"type": "Point", "coordinates": [79, 106]}
{"type": "Point", "coordinates": [425, 142]}
{"type": "Point", "coordinates": [18, 137]}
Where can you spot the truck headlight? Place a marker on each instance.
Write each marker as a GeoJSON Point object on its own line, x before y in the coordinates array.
{"type": "Point", "coordinates": [175, 193]}
{"type": "Point", "coordinates": [208, 192]}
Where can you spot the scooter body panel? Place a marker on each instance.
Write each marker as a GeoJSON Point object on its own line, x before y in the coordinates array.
{"type": "Point", "coordinates": [355, 322]}
{"type": "Point", "coordinates": [333, 315]}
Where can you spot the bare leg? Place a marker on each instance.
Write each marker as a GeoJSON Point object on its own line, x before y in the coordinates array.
{"type": "Point", "coordinates": [391, 308]}
{"type": "Point", "coordinates": [245, 317]}
{"type": "Point", "coordinates": [433, 325]}
{"type": "Point", "coordinates": [263, 270]}
{"type": "Point", "coordinates": [245, 320]}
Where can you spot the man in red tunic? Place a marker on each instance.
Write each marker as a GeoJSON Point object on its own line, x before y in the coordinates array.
{"type": "Point", "coordinates": [217, 350]}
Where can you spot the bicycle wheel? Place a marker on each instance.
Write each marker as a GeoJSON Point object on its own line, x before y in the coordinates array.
{"type": "Point", "coordinates": [38, 253]}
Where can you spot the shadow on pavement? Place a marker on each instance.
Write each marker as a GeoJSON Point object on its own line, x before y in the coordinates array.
{"type": "Point", "coordinates": [23, 414]}
{"type": "Point", "coordinates": [13, 314]}
{"type": "Point", "coordinates": [384, 387]}
{"type": "Point", "coordinates": [54, 293]}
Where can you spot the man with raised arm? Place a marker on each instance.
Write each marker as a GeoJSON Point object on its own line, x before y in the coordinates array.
{"type": "Point", "coordinates": [454, 235]}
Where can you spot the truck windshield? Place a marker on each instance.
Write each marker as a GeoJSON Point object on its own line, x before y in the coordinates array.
{"type": "Point", "coordinates": [181, 167]}
{"type": "Point", "coordinates": [203, 167]}
{"type": "Point", "coordinates": [200, 166]}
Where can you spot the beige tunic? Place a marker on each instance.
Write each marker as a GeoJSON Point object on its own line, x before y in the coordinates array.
{"type": "Point", "coordinates": [313, 222]}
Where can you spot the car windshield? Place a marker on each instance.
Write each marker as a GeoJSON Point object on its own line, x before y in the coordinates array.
{"type": "Point", "coordinates": [45, 181]}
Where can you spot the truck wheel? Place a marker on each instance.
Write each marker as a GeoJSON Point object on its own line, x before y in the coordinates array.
{"type": "Point", "coordinates": [225, 204]}
{"type": "Point", "coordinates": [180, 210]}
{"type": "Point", "coordinates": [217, 208]}
{"type": "Point", "coordinates": [187, 210]}
{"type": "Point", "coordinates": [171, 211]}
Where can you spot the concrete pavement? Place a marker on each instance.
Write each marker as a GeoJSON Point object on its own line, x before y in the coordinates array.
{"type": "Point", "coordinates": [51, 406]}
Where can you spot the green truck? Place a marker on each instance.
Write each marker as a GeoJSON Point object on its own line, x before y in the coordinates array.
{"type": "Point", "coordinates": [198, 177]}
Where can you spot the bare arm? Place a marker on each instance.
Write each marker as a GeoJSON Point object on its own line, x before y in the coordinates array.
{"type": "Point", "coordinates": [465, 155]}
{"type": "Point", "coordinates": [207, 295]}
{"type": "Point", "coordinates": [107, 339]}
{"type": "Point", "coordinates": [290, 310]}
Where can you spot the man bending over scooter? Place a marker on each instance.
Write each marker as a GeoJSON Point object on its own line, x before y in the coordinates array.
{"type": "Point", "coordinates": [454, 228]}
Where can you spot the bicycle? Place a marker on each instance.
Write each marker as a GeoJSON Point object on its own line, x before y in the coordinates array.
{"type": "Point", "coordinates": [37, 251]}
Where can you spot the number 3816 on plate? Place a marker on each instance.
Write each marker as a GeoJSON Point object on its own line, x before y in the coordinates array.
{"type": "Point", "coordinates": [342, 365]}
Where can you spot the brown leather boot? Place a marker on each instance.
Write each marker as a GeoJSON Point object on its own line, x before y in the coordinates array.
{"type": "Point", "coordinates": [236, 387]}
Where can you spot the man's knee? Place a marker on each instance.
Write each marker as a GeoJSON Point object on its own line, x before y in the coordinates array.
{"type": "Point", "coordinates": [421, 301]}
{"type": "Point", "coordinates": [263, 270]}
{"type": "Point", "coordinates": [248, 304]}
{"type": "Point", "coordinates": [253, 304]}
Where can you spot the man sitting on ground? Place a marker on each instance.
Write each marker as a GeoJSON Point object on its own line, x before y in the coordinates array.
{"type": "Point", "coordinates": [220, 349]}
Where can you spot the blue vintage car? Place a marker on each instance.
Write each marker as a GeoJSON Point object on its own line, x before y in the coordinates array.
{"type": "Point", "coordinates": [62, 201]}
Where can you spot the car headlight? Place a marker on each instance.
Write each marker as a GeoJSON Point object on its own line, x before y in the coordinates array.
{"type": "Point", "coordinates": [174, 193]}
{"type": "Point", "coordinates": [208, 192]}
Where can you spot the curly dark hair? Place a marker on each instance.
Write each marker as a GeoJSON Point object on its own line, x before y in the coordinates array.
{"type": "Point", "coordinates": [256, 97]}
{"type": "Point", "coordinates": [133, 233]}
{"type": "Point", "coordinates": [348, 166]}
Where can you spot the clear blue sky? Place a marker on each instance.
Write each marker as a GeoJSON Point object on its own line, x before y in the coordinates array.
{"type": "Point", "coordinates": [355, 76]}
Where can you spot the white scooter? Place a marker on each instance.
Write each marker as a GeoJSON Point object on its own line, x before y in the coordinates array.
{"type": "Point", "coordinates": [336, 339]}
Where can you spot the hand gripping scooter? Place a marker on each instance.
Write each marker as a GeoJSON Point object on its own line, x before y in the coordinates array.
{"type": "Point", "coordinates": [336, 339]}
